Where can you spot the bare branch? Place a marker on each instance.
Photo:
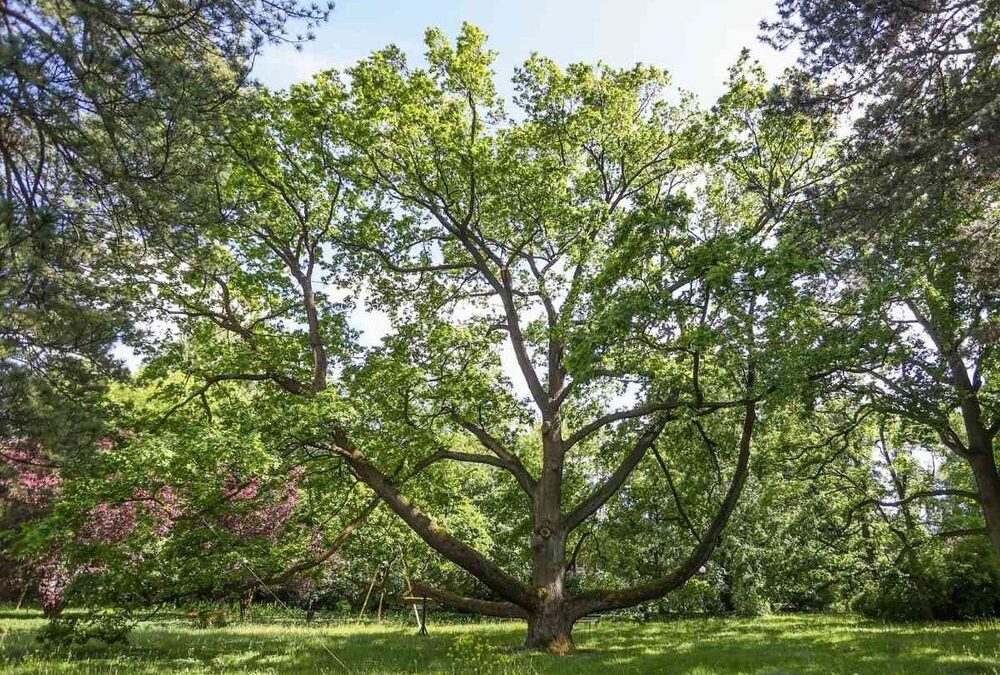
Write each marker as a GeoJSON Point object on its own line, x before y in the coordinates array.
{"type": "Point", "coordinates": [509, 460]}
{"type": "Point", "coordinates": [677, 498]}
{"type": "Point", "coordinates": [640, 411]}
{"type": "Point", "coordinates": [593, 601]}
{"type": "Point", "coordinates": [288, 384]}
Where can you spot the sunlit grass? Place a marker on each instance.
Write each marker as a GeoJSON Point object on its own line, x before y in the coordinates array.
{"type": "Point", "coordinates": [777, 644]}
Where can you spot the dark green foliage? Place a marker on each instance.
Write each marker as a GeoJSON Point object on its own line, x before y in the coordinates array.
{"type": "Point", "coordinates": [60, 313]}
{"type": "Point", "coordinates": [102, 106]}
{"type": "Point", "coordinates": [960, 583]}
{"type": "Point", "coordinates": [97, 100]}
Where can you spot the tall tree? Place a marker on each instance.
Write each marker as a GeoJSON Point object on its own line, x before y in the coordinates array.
{"type": "Point", "coordinates": [915, 219]}
{"type": "Point", "coordinates": [96, 97]}
{"type": "Point", "coordinates": [612, 244]}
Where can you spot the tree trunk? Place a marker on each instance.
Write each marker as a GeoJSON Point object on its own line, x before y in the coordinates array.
{"type": "Point", "coordinates": [246, 601]}
{"type": "Point", "coordinates": [984, 468]}
{"type": "Point", "coordinates": [549, 626]}
{"type": "Point", "coordinates": [381, 597]}
{"type": "Point", "coordinates": [550, 629]}
{"type": "Point", "coordinates": [23, 595]}
{"type": "Point", "coordinates": [544, 605]}
{"type": "Point", "coordinates": [980, 446]}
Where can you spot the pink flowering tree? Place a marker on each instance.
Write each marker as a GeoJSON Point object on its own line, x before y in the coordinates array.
{"type": "Point", "coordinates": [29, 483]}
{"type": "Point", "coordinates": [180, 509]}
{"type": "Point", "coordinates": [207, 499]}
{"type": "Point", "coordinates": [29, 477]}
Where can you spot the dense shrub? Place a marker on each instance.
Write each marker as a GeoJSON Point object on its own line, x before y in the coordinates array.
{"type": "Point", "coordinates": [962, 582]}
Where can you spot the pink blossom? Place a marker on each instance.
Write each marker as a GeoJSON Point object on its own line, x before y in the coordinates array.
{"type": "Point", "coordinates": [56, 577]}
{"type": "Point", "coordinates": [267, 519]}
{"type": "Point", "coordinates": [31, 478]}
{"type": "Point", "coordinates": [165, 508]}
{"type": "Point", "coordinates": [110, 523]}
{"type": "Point", "coordinates": [52, 584]}
{"type": "Point", "coordinates": [245, 492]}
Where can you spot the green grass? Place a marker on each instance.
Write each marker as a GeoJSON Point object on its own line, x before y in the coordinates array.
{"type": "Point", "coordinates": [778, 644]}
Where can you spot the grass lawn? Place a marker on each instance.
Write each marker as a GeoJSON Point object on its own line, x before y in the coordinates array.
{"type": "Point", "coordinates": [777, 644]}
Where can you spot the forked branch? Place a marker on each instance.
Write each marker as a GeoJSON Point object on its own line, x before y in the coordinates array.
{"type": "Point", "coordinates": [603, 600]}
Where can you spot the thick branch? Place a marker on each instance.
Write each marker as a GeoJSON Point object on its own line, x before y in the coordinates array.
{"type": "Point", "coordinates": [349, 529]}
{"type": "Point", "coordinates": [603, 421]}
{"type": "Point", "coordinates": [917, 495]}
{"type": "Point", "coordinates": [596, 601]}
{"type": "Point", "coordinates": [329, 552]}
{"type": "Point", "coordinates": [519, 344]}
{"type": "Point", "coordinates": [509, 460]}
{"type": "Point", "coordinates": [316, 343]}
{"type": "Point", "coordinates": [433, 534]}
{"type": "Point", "coordinates": [606, 490]}
{"type": "Point", "coordinates": [505, 610]}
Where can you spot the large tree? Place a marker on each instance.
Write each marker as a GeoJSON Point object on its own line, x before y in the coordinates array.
{"type": "Point", "coordinates": [605, 244]}
{"type": "Point", "coordinates": [915, 219]}
{"type": "Point", "coordinates": [96, 98]}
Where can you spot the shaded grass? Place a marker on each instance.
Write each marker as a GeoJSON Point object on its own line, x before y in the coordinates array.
{"type": "Point", "coordinates": [825, 643]}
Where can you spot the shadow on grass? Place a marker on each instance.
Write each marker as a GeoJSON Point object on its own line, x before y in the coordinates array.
{"type": "Point", "coordinates": [803, 644]}
{"type": "Point", "coordinates": [778, 644]}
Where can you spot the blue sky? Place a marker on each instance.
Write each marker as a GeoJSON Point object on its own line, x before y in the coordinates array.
{"type": "Point", "coordinates": [696, 40]}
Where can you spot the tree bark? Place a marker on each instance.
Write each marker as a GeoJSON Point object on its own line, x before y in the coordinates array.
{"type": "Point", "coordinates": [550, 614]}
{"type": "Point", "coordinates": [978, 451]}
{"type": "Point", "coordinates": [548, 625]}
{"type": "Point", "coordinates": [433, 534]}
{"type": "Point", "coordinates": [551, 629]}
{"type": "Point", "coordinates": [22, 595]}
{"type": "Point", "coordinates": [246, 602]}
{"type": "Point", "coordinates": [505, 610]}
{"type": "Point", "coordinates": [984, 468]}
